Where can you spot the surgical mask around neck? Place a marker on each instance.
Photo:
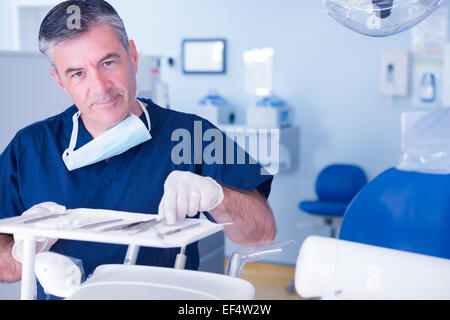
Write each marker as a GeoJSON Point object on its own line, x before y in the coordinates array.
{"type": "Point", "coordinates": [127, 134]}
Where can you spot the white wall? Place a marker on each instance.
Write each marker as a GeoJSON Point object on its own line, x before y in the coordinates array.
{"type": "Point", "coordinates": [28, 91]}
{"type": "Point", "coordinates": [6, 31]}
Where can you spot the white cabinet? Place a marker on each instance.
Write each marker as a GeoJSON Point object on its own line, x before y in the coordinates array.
{"type": "Point", "coordinates": [276, 149]}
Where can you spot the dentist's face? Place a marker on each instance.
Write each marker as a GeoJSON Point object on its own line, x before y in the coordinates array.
{"type": "Point", "coordinates": [99, 75]}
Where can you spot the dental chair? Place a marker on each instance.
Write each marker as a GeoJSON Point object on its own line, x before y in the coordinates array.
{"type": "Point", "coordinates": [401, 210]}
{"type": "Point", "coordinates": [394, 241]}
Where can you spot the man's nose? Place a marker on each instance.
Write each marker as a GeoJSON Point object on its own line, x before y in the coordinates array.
{"type": "Point", "coordinates": [99, 84]}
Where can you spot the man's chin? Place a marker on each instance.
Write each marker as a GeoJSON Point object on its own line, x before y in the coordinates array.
{"type": "Point", "coordinates": [112, 113]}
{"type": "Point", "coordinates": [114, 119]}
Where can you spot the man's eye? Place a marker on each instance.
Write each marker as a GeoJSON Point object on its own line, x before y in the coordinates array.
{"type": "Point", "coordinates": [79, 74]}
{"type": "Point", "coordinates": [107, 63]}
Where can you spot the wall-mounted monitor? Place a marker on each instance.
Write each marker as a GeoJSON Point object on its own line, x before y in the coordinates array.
{"type": "Point", "coordinates": [204, 56]}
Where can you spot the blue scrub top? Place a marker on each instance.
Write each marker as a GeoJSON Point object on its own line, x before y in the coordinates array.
{"type": "Point", "coordinates": [33, 172]}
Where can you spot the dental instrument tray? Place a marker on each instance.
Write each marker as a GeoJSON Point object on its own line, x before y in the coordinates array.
{"type": "Point", "coordinates": [110, 226]}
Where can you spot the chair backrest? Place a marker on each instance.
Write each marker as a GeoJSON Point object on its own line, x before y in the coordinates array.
{"type": "Point", "coordinates": [402, 210]}
{"type": "Point", "coordinates": [340, 182]}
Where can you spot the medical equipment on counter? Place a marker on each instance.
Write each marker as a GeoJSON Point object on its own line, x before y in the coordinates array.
{"type": "Point", "coordinates": [380, 18]}
{"type": "Point", "coordinates": [149, 83]}
{"type": "Point", "coordinates": [338, 269]}
{"type": "Point", "coordinates": [215, 108]}
{"type": "Point", "coordinates": [269, 112]}
{"type": "Point", "coordinates": [258, 72]}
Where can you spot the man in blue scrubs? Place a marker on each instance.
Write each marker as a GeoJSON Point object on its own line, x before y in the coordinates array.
{"type": "Point", "coordinates": [95, 64]}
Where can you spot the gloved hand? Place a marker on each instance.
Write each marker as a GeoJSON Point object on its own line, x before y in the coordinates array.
{"type": "Point", "coordinates": [42, 244]}
{"type": "Point", "coordinates": [186, 194]}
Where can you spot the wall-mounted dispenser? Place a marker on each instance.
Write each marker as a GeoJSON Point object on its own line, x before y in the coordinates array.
{"type": "Point", "coordinates": [394, 74]}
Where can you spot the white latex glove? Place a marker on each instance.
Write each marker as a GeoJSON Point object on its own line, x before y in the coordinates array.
{"type": "Point", "coordinates": [42, 244]}
{"type": "Point", "coordinates": [186, 194]}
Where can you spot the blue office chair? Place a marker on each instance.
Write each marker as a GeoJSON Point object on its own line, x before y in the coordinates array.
{"type": "Point", "coordinates": [335, 187]}
{"type": "Point", "coordinates": [402, 210]}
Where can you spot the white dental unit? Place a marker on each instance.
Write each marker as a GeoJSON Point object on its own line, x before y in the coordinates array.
{"type": "Point", "coordinates": [334, 269]}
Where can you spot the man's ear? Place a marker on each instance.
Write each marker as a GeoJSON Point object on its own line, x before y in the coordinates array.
{"type": "Point", "coordinates": [134, 55]}
{"type": "Point", "coordinates": [56, 77]}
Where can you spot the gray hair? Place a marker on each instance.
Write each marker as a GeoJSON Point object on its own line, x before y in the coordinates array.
{"type": "Point", "coordinates": [71, 19]}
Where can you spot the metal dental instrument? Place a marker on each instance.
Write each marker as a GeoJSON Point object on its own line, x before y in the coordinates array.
{"type": "Point", "coordinates": [178, 230]}
{"type": "Point", "coordinates": [98, 224]}
{"type": "Point", "coordinates": [51, 216]}
{"type": "Point", "coordinates": [128, 226]}
{"type": "Point", "coordinates": [147, 225]}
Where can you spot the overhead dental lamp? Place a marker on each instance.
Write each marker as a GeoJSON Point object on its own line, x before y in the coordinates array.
{"type": "Point", "coordinates": [380, 18]}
